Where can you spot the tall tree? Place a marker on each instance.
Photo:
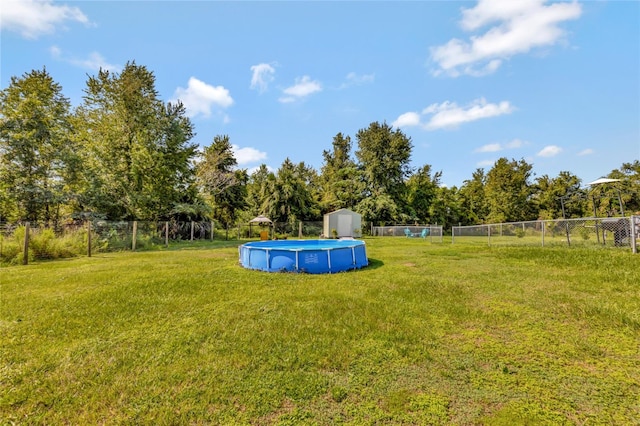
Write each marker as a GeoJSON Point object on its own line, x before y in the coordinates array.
{"type": "Point", "coordinates": [445, 209]}
{"type": "Point", "coordinates": [258, 191]}
{"type": "Point", "coordinates": [629, 186]}
{"type": "Point", "coordinates": [559, 197]}
{"type": "Point", "coordinates": [508, 191]}
{"type": "Point", "coordinates": [422, 191]}
{"type": "Point", "coordinates": [35, 150]}
{"type": "Point", "coordinates": [137, 150]}
{"type": "Point", "coordinates": [383, 155]}
{"type": "Point", "coordinates": [340, 185]}
{"type": "Point", "coordinates": [223, 186]}
{"type": "Point", "coordinates": [473, 203]}
{"type": "Point", "coordinates": [290, 198]}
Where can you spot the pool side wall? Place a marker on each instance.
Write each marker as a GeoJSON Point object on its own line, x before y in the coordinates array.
{"type": "Point", "coordinates": [307, 257]}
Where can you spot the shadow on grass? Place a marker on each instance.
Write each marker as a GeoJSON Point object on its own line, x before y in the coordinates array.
{"type": "Point", "coordinates": [374, 264]}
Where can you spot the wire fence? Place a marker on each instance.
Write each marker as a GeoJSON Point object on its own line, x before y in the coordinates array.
{"type": "Point", "coordinates": [612, 232]}
{"type": "Point", "coordinates": [433, 233]}
{"type": "Point", "coordinates": [21, 242]}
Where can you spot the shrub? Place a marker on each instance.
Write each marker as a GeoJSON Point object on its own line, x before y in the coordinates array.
{"type": "Point", "coordinates": [45, 245]}
{"type": "Point", "coordinates": [10, 252]}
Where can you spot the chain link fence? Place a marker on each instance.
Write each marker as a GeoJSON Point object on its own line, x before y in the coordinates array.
{"type": "Point", "coordinates": [433, 233]}
{"type": "Point", "coordinates": [611, 232]}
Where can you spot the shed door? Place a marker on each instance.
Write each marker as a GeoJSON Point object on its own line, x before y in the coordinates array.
{"type": "Point", "coordinates": [344, 225]}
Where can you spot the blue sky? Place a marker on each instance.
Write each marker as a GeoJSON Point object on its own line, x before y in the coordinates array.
{"type": "Point", "coordinates": [554, 83]}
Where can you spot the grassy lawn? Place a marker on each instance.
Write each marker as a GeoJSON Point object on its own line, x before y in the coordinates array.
{"type": "Point", "coordinates": [427, 334]}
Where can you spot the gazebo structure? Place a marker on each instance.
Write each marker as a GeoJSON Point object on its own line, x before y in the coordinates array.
{"type": "Point", "coordinates": [261, 221]}
{"type": "Point", "coordinates": [618, 226]}
{"type": "Point", "coordinates": [608, 180]}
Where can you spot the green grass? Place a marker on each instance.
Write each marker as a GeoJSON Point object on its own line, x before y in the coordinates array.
{"type": "Point", "coordinates": [428, 334]}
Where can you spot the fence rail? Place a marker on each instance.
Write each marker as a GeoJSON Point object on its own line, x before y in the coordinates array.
{"type": "Point", "coordinates": [618, 232]}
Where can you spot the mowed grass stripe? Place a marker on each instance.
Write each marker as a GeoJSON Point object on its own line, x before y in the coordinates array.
{"type": "Point", "coordinates": [428, 334]}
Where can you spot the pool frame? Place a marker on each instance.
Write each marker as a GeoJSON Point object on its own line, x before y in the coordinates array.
{"type": "Point", "coordinates": [306, 256]}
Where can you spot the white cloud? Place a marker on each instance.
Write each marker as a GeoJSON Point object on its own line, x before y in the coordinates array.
{"type": "Point", "coordinates": [287, 99]}
{"type": "Point", "coordinates": [495, 147]}
{"type": "Point", "coordinates": [485, 163]}
{"type": "Point", "coordinates": [550, 151]}
{"type": "Point", "coordinates": [262, 76]}
{"type": "Point", "coordinates": [492, 147]}
{"type": "Point", "coordinates": [200, 97]}
{"type": "Point", "coordinates": [247, 155]}
{"type": "Point", "coordinates": [587, 151]}
{"type": "Point", "coordinates": [353, 79]}
{"type": "Point", "coordinates": [516, 143]}
{"type": "Point", "coordinates": [521, 26]}
{"type": "Point", "coordinates": [407, 119]}
{"type": "Point", "coordinates": [303, 87]}
{"type": "Point", "coordinates": [33, 18]}
{"type": "Point", "coordinates": [94, 62]}
{"type": "Point", "coordinates": [449, 115]}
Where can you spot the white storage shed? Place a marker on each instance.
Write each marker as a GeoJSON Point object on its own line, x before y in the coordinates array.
{"type": "Point", "coordinates": [345, 222]}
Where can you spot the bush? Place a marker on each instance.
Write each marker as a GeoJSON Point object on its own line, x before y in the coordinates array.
{"type": "Point", "coordinates": [45, 245]}
{"type": "Point", "coordinates": [10, 252]}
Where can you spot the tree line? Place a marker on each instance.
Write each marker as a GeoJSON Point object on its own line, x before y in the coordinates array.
{"type": "Point", "coordinates": [124, 154]}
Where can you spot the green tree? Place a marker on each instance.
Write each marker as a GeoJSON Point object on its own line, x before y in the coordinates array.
{"type": "Point", "coordinates": [291, 198]}
{"type": "Point", "coordinates": [473, 203]}
{"type": "Point", "coordinates": [222, 185]}
{"type": "Point", "coordinates": [446, 209]}
{"type": "Point", "coordinates": [137, 151]}
{"type": "Point", "coordinates": [560, 197]}
{"type": "Point", "coordinates": [422, 190]}
{"type": "Point", "coordinates": [629, 186]}
{"type": "Point", "coordinates": [508, 191]}
{"type": "Point", "coordinates": [339, 180]}
{"type": "Point", "coordinates": [36, 155]}
{"type": "Point", "coordinates": [258, 191]}
{"type": "Point", "coordinates": [383, 155]}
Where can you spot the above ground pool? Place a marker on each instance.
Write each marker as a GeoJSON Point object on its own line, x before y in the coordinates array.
{"type": "Point", "coordinates": [310, 256]}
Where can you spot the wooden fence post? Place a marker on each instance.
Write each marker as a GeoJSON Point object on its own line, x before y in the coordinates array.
{"type": "Point", "coordinates": [212, 225]}
{"type": "Point", "coordinates": [88, 238]}
{"type": "Point", "coordinates": [300, 229]}
{"type": "Point", "coordinates": [135, 234]}
{"type": "Point", "coordinates": [166, 234]}
{"type": "Point", "coordinates": [191, 231]}
{"type": "Point", "coordinates": [25, 252]}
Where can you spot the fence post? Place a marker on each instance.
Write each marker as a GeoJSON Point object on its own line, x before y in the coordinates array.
{"type": "Point", "coordinates": [634, 233]}
{"type": "Point", "coordinates": [166, 234]}
{"type": "Point", "coordinates": [191, 231]}
{"type": "Point", "coordinates": [135, 235]}
{"type": "Point", "coordinates": [25, 252]}
{"type": "Point", "coordinates": [543, 233]}
{"type": "Point", "coordinates": [489, 233]}
{"type": "Point", "coordinates": [88, 238]}
{"type": "Point", "coordinates": [300, 229]}
{"type": "Point", "coordinates": [212, 225]}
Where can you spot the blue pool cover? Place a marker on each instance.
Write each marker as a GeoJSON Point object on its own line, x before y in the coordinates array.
{"type": "Point", "coordinates": [309, 256]}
